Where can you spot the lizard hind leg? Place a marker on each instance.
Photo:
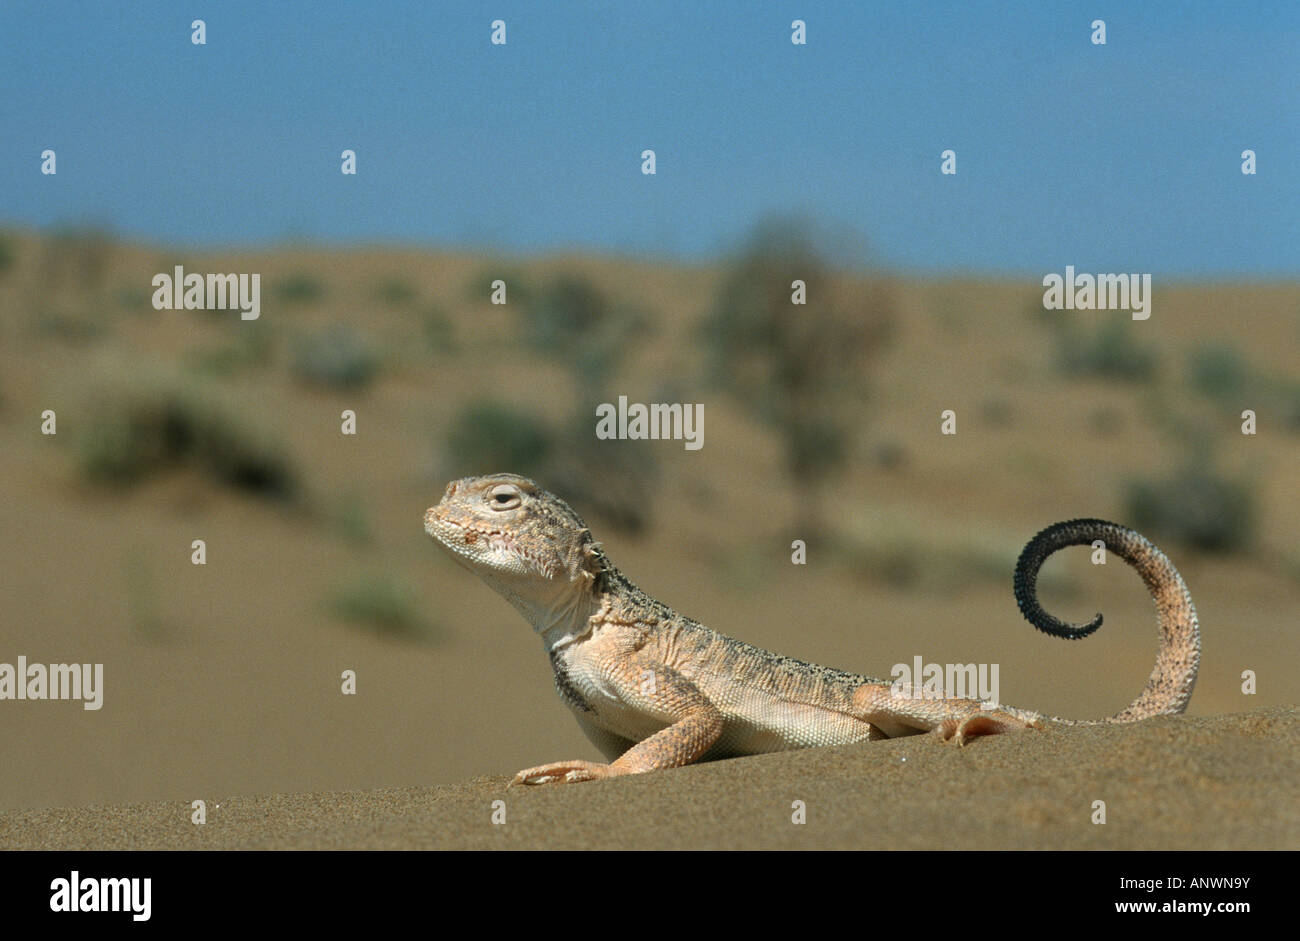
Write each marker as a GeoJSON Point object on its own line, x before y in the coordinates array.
{"type": "Point", "coordinates": [894, 714]}
{"type": "Point", "coordinates": [961, 728]}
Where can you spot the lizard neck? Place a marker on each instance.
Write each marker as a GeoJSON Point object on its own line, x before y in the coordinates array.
{"type": "Point", "coordinates": [593, 593]}
{"type": "Point", "coordinates": [567, 605]}
{"type": "Point", "coordinates": [567, 622]}
{"type": "Point", "coordinates": [575, 613]}
{"type": "Point", "coordinates": [559, 610]}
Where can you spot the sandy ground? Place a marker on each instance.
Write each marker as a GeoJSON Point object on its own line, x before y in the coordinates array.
{"type": "Point", "coordinates": [1222, 782]}
{"type": "Point", "coordinates": [225, 679]}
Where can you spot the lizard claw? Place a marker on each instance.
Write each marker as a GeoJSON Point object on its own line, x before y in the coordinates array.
{"type": "Point", "coordinates": [562, 772]}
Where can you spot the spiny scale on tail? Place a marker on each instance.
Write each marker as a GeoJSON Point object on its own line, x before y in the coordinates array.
{"type": "Point", "coordinates": [1170, 685]}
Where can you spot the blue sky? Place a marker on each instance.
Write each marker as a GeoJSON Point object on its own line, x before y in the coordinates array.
{"type": "Point", "coordinates": [1124, 157]}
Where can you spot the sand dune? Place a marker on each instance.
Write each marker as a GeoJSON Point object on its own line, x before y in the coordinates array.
{"type": "Point", "coordinates": [1222, 782]}
{"type": "Point", "coordinates": [227, 678]}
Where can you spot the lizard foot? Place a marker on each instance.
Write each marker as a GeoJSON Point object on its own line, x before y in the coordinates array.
{"type": "Point", "coordinates": [980, 723]}
{"type": "Point", "coordinates": [563, 772]}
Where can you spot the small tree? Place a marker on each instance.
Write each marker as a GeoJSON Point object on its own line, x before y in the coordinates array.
{"type": "Point", "coordinates": [801, 368]}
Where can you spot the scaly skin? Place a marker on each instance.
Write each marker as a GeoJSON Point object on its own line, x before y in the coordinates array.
{"type": "Point", "coordinates": [654, 689]}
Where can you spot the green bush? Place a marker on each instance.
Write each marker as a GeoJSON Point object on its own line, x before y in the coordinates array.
{"type": "Point", "coordinates": [1222, 375]}
{"type": "Point", "coordinates": [76, 329]}
{"type": "Point", "coordinates": [1195, 507]}
{"type": "Point", "coordinates": [382, 603]}
{"type": "Point", "coordinates": [348, 518]}
{"type": "Point", "coordinates": [1219, 372]}
{"type": "Point", "coordinates": [804, 369]}
{"type": "Point", "coordinates": [491, 438]}
{"type": "Point", "coordinates": [134, 298]}
{"type": "Point", "coordinates": [252, 347]}
{"type": "Point", "coordinates": [133, 434]}
{"type": "Point", "coordinates": [395, 292]}
{"type": "Point", "coordinates": [569, 309]}
{"type": "Point", "coordinates": [1290, 405]}
{"type": "Point", "coordinates": [336, 358]}
{"type": "Point", "coordinates": [439, 331]}
{"type": "Point", "coordinates": [1110, 351]}
{"type": "Point", "coordinates": [299, 288]}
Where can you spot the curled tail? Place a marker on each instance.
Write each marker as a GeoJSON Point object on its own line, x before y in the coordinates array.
{"type": "Point", "coordinates": [1170, 685]}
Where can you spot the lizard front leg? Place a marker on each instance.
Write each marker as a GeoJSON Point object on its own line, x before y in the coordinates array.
{"type": "Point", "coordinates": [656, 690]}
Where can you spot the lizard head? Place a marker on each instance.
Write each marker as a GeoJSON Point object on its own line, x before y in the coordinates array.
{"type": "Point", "coordinates": [525, 542]}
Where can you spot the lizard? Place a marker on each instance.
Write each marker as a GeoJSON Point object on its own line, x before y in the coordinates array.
{"type": "Point", "coordinates": [654, 689]}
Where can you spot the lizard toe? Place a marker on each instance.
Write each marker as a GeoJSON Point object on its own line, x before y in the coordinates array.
{"type": "Point", "coordinates": [562, 772]}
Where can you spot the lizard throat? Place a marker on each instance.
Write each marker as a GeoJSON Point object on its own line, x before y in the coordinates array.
{"type": "Point", "coordinates": [556, 597]}
{"type": "Point", "coordinates": [559, 611]}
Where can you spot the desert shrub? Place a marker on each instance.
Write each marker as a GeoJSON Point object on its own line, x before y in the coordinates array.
{"type": "Point", "coordinates": [1110, 351]}
{"type": "Point", "coordinates": [252, 347]}
{"type": "Point", "coordinates": [395, 292]}
{"type": "Point", "coordinates": [7, 252]}
{"type": "Point", "coordinates": [888, 454]}
{"type": "Point", "coordinates": [594, 355]}
{"type": "Point", "coordinates": [1218, 372]}
{"type": "Point", "coordinates": [299, 288]}
{"type": "Point", "coordinates": [491, 437]}
{"type": "Point", "coordinates": [1275, 399]}
{"type": "Point", "coordinates": [1222, 375]}
{"type": "Point", "coordinates": [382, 603]}
{"type": "Point", "coordinates": [802, 369]}
{"type": "Point", "coordinates": [997, 411]}
{"type": "Point", "coordinates": [1195, 507]}
{"type": "Point", "coordinates": [566, 310]}
{"type": "Point", "coordinates": [134, 433]}
{"type": "Point", "coordinates": [439, 331]}
{"type": "Point", "coordinates": [336, 357]}
{"type": "Point", "coordinates": [134, 298]}
{"type": "Point", "coordinates": [1289, 405]}
{"type": "Point", "coordinates": [74, 328]}
{"type": "Point", "coordinates": [349, 520]}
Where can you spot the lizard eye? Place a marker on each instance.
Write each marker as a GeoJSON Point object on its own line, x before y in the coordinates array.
{"type": "Point", "coordinates": [504, 497]}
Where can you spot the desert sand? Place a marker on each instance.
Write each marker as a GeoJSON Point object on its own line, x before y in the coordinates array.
{"type": "Point", "coordinates": [224, 681]}
{"type": "Point", "coordinates": [1221, 782]}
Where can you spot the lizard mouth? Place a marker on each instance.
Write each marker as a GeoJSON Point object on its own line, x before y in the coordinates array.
{"type": "Point", "coordinates": [476, 540]}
